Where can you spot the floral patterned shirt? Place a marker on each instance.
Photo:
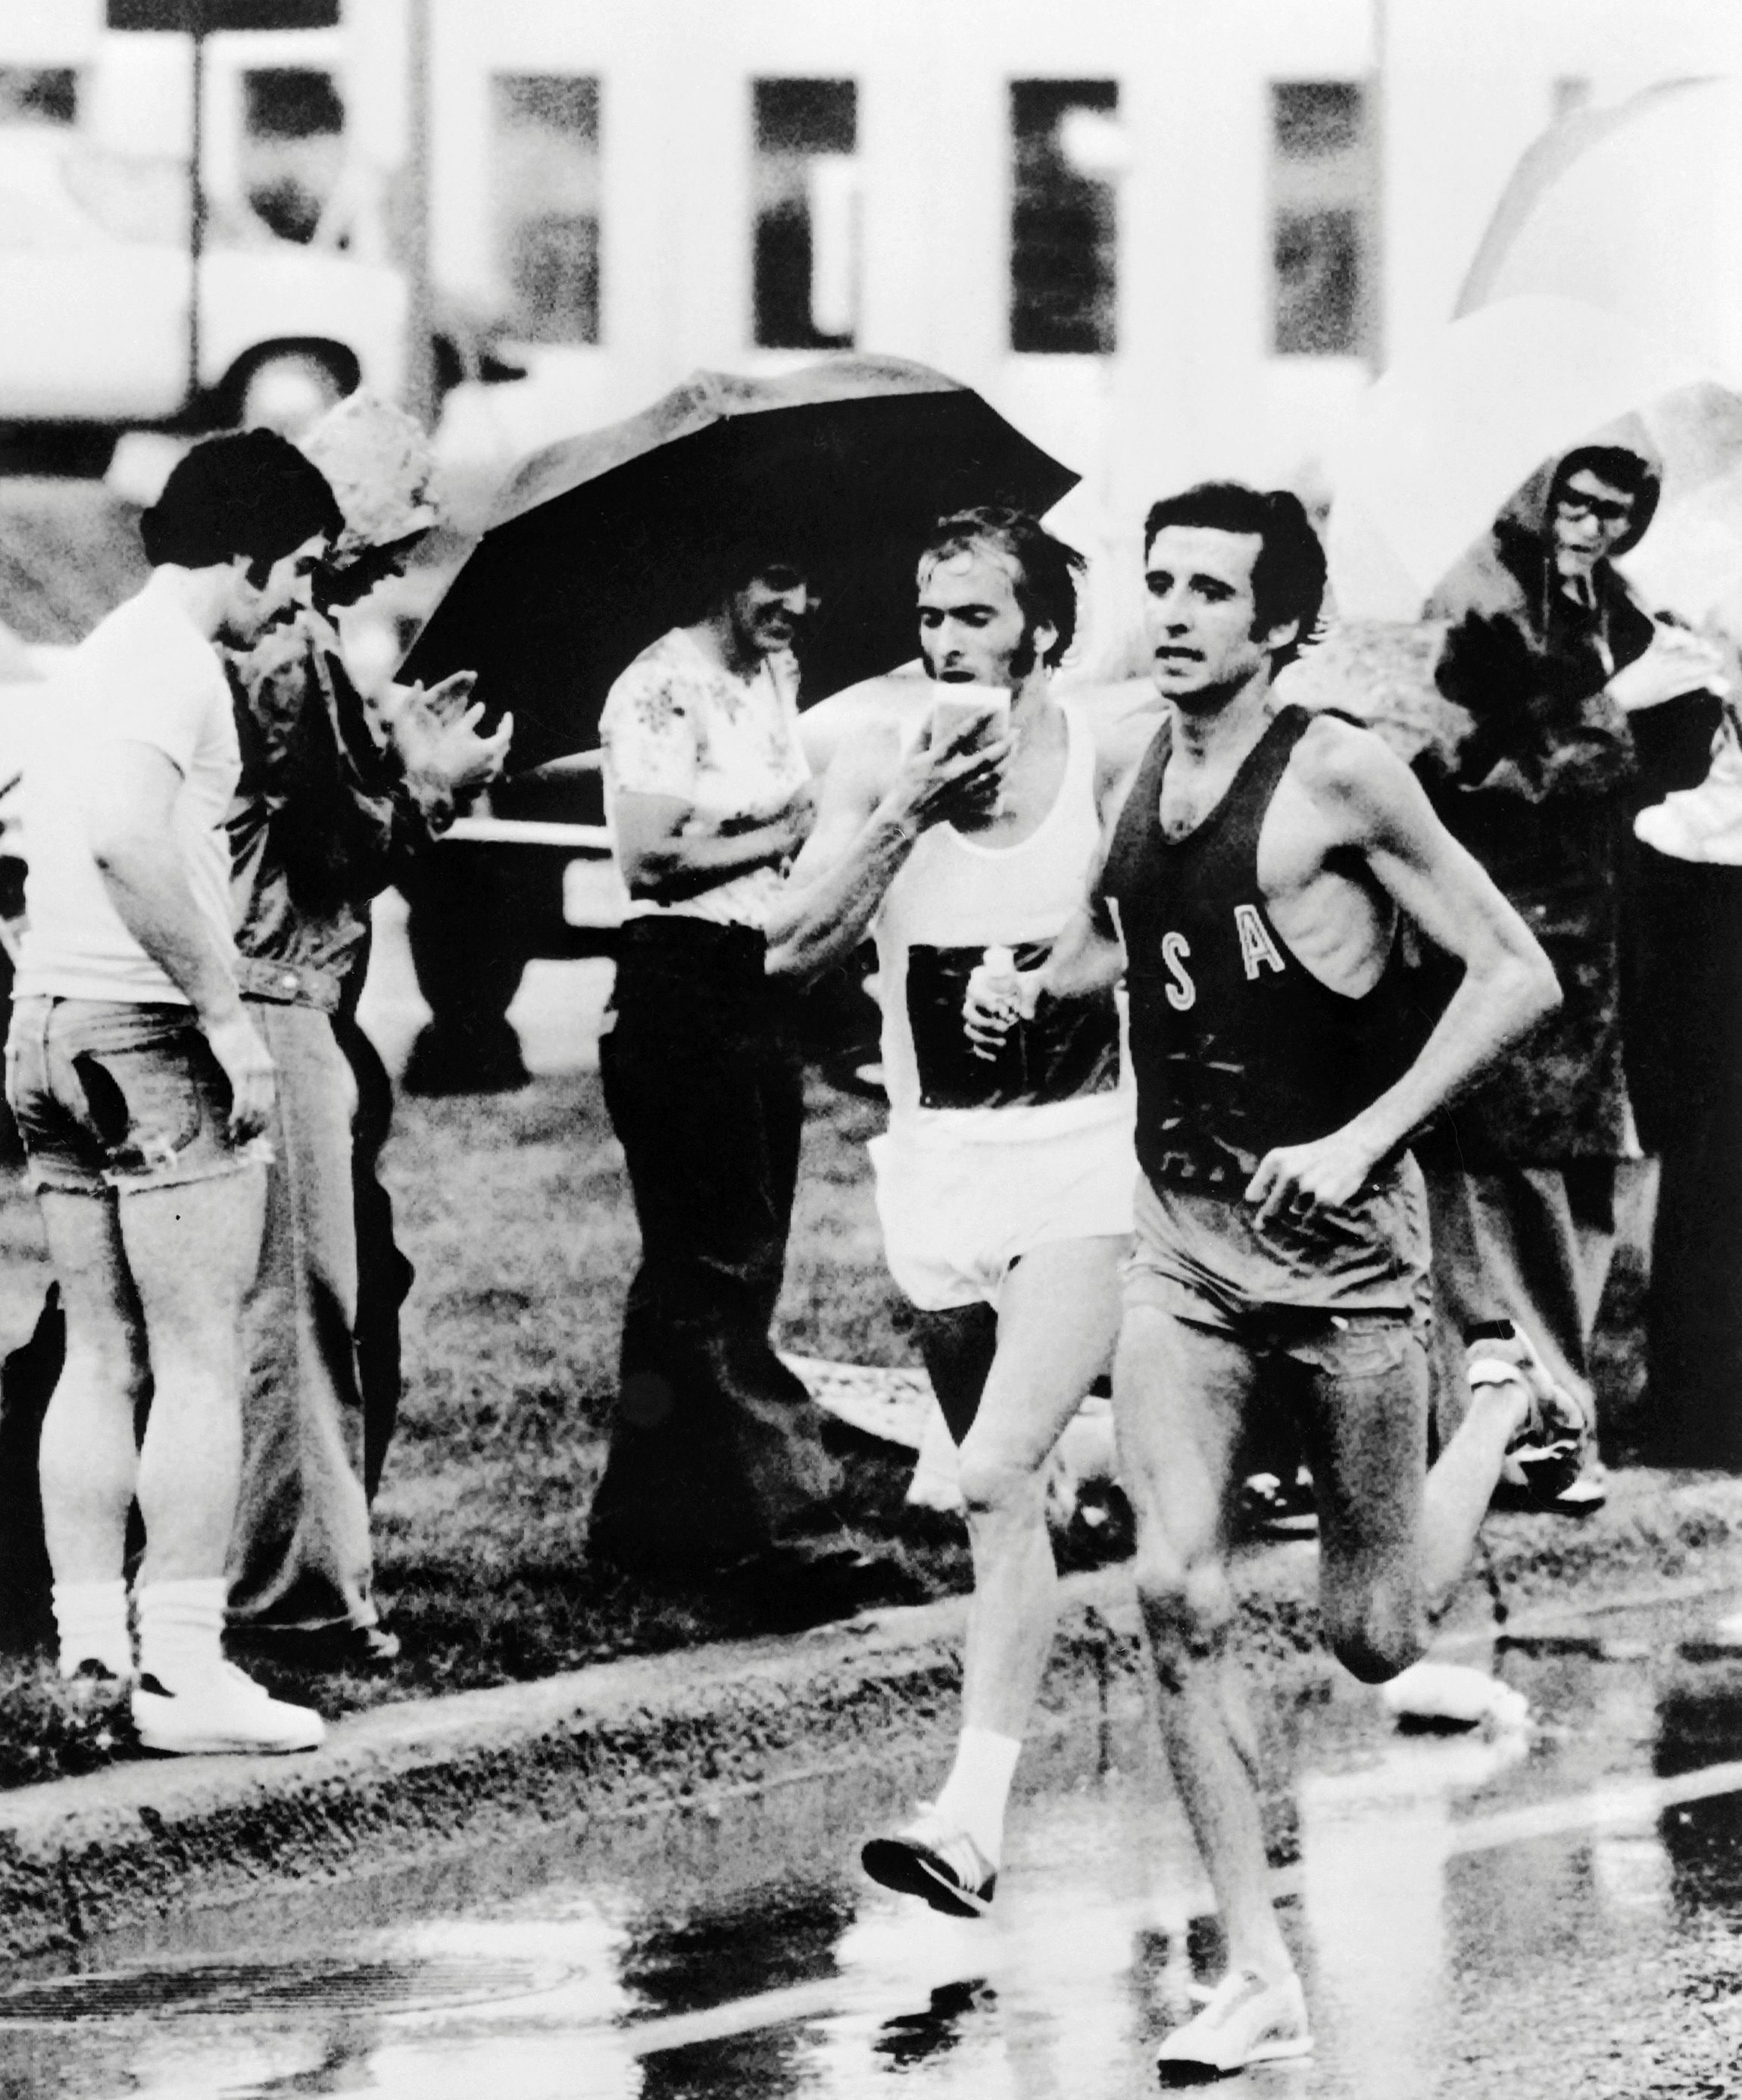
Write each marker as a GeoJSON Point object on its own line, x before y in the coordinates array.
{"type": "Point", "coordinates": [677, 724]}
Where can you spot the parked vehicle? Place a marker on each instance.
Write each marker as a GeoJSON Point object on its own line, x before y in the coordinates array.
{"type": "Point", "coordinates": [95, 281]}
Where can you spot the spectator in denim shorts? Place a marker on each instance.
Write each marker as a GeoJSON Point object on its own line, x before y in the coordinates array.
{"type": "Point", "coordinates": [141, 1089]}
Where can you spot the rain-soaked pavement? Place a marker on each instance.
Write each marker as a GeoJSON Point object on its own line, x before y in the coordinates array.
{"type": "Point", "coordinates": [1562, 1919]}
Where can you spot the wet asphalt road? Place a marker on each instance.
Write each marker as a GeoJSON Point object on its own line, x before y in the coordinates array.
{"type": "Point", "coordinates": [1562, 1919]}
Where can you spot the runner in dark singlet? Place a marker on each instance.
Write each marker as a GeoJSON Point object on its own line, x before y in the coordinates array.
{"type": "Point", "coordinates": [1258, 872]}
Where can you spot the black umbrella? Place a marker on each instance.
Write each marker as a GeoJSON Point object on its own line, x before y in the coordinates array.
{"type": "Point", "coordinates": [601, 543]}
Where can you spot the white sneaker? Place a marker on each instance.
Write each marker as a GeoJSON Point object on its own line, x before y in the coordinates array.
{"type": "Point", "coordinates": [1245, 2021]}
{"type": "Point", "coordinates": [1449, 1694]}
{"type": "Point", "coordinates": [221, 1711]}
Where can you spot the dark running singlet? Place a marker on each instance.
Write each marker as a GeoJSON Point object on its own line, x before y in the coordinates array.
{"type": "Point", "coordinates": [1237, 1047]}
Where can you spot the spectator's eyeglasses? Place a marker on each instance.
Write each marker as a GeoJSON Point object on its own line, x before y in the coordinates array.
{"type": "Point", "coordinates": [1574, 504]}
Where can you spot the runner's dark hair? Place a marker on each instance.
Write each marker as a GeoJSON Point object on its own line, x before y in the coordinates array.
{"type": "Point", "coordinates": [1288, 578]}
{"type": "Point", "coordinates": [1623, 470]}
{"type": "Point", "coordinates": [1047, 568]}
{"type": "Point", "coordinates": [251, 492]}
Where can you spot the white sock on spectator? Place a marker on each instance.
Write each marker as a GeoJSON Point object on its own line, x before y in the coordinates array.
{"type": "Point", "coordinates": [91, 1619]}
{"type": "Point", "coordinates": [181, 1629]}
{"type": "Point", "coordinates": [978, 1786]}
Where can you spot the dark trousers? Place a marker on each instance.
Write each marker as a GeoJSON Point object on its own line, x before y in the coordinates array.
{"type": "Point", "coordinates": [1685, 1070]}
{"type": "Point", "coordinates": [384, 1275]}
{"type": "Point", "coordinates": [716, 1447]}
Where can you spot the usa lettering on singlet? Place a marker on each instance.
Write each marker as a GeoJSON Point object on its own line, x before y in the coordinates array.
{"type": "Point", "coordinates": [1237, 1047]}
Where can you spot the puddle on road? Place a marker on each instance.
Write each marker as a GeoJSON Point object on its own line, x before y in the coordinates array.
{"type": "Point", "coordinates": [735, 1950]}
{"type": "Point", "coordinates": [194, 1985]}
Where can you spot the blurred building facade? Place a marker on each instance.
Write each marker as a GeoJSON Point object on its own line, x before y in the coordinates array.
{"type": "Point", "coordinates": [1171, 237]}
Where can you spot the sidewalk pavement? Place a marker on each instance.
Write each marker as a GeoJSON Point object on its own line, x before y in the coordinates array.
{"type": "Point", "coordinates": [82, 1856]}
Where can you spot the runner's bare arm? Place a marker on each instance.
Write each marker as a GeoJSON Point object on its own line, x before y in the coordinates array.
{"type": "Point", "coordinates": [875, 802]}
{"type": "Point", "coordinates": [129, 823]}
{"type": "Point", "coordinates": [661, 860]}
{"type": "Point", "coordinates": [1373, 806]}
{"type": "Point", "coordinates": [1089, 955]}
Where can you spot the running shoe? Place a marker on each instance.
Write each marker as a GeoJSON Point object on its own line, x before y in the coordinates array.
{"type": "Point", "coordinates": [941, 1866]}
{"type": "Point", "coordinates": [222, 1711]}
{"type": "Point", "coordinates": [1247, 2020]}
{"type": "Point", "coordinates": [1445, 1696]}
{"type": "Point", "coordinates": [1551, 1448]}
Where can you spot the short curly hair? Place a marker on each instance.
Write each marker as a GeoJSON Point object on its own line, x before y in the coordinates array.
{"type": "Point", "coordinates": [1288, 577]}
{"type": "Point", "coordinates": [1047, 569]}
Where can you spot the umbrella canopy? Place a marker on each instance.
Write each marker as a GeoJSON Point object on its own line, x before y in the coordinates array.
{"type": "Point", "coordinates": [1633, 209]}
{"type": "Point", "coordinates": [601, 543]}
{"type": "Point", "coordinates": [1451, 431]}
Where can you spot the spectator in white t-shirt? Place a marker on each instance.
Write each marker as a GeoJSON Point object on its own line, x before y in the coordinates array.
{"type": "Point", "coordinates": [141, 1089]}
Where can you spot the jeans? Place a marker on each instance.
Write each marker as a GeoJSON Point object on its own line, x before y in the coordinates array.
{"type": "Point", "coordinates": [116, 1096]}
{"type": "Point", "coordinates": [716, 1447]}
{"type": "Point", "coordinates": [301, 1556]}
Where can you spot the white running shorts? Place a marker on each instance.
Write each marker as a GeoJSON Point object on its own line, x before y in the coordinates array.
{"type": "Point", "coordinates": [956, 1212]}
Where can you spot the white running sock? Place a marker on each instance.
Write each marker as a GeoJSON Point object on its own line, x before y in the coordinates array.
{"type": "Point", "coordinates": [91, 1619]}
{"type": "Point", "coordinates": [973, 1796]}
{"type": "Point", "coordinates": [180, 1629]}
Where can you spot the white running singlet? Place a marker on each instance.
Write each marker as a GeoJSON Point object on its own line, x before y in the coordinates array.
{"type": "Point", "coordinates": [984, 1159]}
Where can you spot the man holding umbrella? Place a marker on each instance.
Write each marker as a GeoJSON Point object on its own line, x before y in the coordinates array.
{"type": "Point", "coordinates": [716, 1457]}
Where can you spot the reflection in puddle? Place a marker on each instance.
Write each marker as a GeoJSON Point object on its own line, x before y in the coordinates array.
{"type": "Point", "coordinates": [910, 2038]}
{"type": "Point", "coordinates": [740, 1954]}
{"type": "Point", "coordinates": [1699, 1723]}
{"type": "Point", "coordinates": [194, 1986]}
{"type": "Point", "coordinates": [787, 1935]}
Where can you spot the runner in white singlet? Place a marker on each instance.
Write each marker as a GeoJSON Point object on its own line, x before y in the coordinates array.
{"type": "Point", "coordinates": [1005, 1181]}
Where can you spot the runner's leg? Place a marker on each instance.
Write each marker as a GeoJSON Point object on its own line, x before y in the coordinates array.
{"type": "Point", "coordinates": [1367, 1435]}
{"type": "Point", "coordinates": [1395, 1540]}
{"type": "Point", "coordinates": [1058, 1315]}
{"type": "Point", "coordinates": [1181, 1394]}
{"type": "Point", "coordinates": [1461, 1484]}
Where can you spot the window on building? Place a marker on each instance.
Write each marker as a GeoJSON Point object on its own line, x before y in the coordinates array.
{"type": "Point", "coordinates": [804, 264]}
{"type": "Point", "coordinates": [292, 145]}
{"type": "Point", "coordinates": [1321, 193]}
{"type": "Point", "coordinates": [547, 204]}
{"type": "Point", "coordinates": [1064, 226]}
{"type": "Point", "coordinates": [46, 94]}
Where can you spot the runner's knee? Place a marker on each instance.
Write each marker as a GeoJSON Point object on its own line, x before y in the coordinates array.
{"type": "Point", "coordinates": [994, 1483]}
{"type": "Point", "coordinates": [1188, 1605]}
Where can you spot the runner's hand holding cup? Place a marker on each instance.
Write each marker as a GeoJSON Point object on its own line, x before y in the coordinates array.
{"type": "Point", "coordinates": [955, 768]}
